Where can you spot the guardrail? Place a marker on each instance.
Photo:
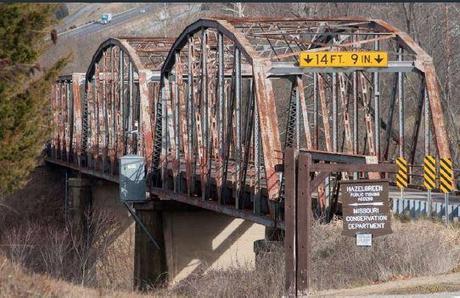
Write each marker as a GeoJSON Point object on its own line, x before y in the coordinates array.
{"type": "Point", "coordinates": [418, 208]}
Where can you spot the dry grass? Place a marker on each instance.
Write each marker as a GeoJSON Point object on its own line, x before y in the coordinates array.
{"type": "Point", "coordinates": [16, 282]}
{"type": "Point", "coordinates": [34, 237]}
{"type": "Point", "coordinates": [414, 249]}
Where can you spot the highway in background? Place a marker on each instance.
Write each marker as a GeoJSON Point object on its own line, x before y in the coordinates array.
{"type": "Point", "coordinates": [117, 20]}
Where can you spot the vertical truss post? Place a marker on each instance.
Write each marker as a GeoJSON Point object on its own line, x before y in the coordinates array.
{"type": "Point", "coordinates": [54, 105]}
{"type": "Point", "coordinates": [335, 127]}
{"type": "Point", "coordinates": [177, 132]}
{"type": "Point", "coordinates": [121, 136]}
{"type": "Point", "coordinates": [368, 116]}
{"type": "Point", "coordinates": [391, 109]}
{"type": "Point", "coordinates": [104, 120]}
{"type": "Point", "coordinates": [146, 104]}
{"type": "Point", "coordinates": [95, 122]}
{"type": "Point", "coordinates": [418, 120]}
{"type": "Point", "coordinates": [401, 106]}
{"type": "Point", "coordinates": [377, 105]}
{"type": "Point", "coordinates": [164, 130]}
{"type": "Point", "coordinates": [303, 106]}
{"type": "Point", "coordinates": [59, 126]}
{"type": "Point", "coordinates": [315, 110]}
{"type": "Point", "coordinates": [291, 127]}
{"type": "Point", "coordinates": [77, 116]}
{"type": "Point", "coordinates": [257, 197]}
{"type": "Point", "coordinates": [61, 119]}
{"type": "Point", "coordinates": [170, 126]}
{"type": "Point", "coordinates": [183, 119]}
{"type": "Point", "coordinates": [204, 115]}
{"type": "Point", "coordinates": [229, 105]}
{"type": "Point", "coordinates": [69, 121]}
{"type": "Point", "coordinates": [355, 114]}
{"type": "Point", "coordinates": [190, 116]}
{"type": "Point", "coordinates": [238, 84]}
{"type": "Point", "coordinates": [199, 115]}
{"type": "Point", "coordinates": [325, 113]}
{"type": "Point", "coordinates": [130, 107]}
{"type": "Point", "coordinates": [297, 113]}
{"type": "Point", "coordinates": [220, 121]}
{"type": "Point", "coordinates": [112, 123]}
{"type": "Point", "coordinates": [344, 100]}
{"type": "Point", "coordinates": [248, 129]}
{"type": "Point", "coordinates": [327, 136]}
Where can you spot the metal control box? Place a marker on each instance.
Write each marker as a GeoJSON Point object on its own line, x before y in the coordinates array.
{"type": "Point", "coordinates": [132, 178]}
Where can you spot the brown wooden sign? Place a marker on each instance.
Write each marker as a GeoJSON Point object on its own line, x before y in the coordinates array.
{"type": "Point", "coordinates": [365, 207]}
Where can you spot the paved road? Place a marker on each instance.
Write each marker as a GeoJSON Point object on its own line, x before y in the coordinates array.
{"type": "Point", "coordinates": [117, 20]}
{"type": "Point", "coordinates": [445, 285]}
{"type": "Point", "coordinates": [70, 19]}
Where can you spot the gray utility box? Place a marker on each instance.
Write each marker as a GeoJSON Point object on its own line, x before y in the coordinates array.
{"type": "Point", "coordinates": [132, 178]}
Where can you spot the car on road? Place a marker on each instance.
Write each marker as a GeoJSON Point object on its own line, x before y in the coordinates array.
{"type": "Point", "coordinates": [106, 18]}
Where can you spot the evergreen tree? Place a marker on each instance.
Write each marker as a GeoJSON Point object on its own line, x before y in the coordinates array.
{"type": "Point", "coordinates": [24, 89]}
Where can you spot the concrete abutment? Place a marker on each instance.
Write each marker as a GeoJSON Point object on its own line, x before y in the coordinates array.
{"type": "Point", "coordinates": [192, 240]}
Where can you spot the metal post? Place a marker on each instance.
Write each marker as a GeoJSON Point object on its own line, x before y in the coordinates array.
{"type": "Point", "coordinates": [401, 112]}
{"type": "Point", "coordinates": [355, 118]}
{"type": "Point", "coordinates": [297, 115]}
{"type": "Point", "coordinates": [427, 143]}
{"type": "Point", "coordinates": [69, 121]}
{"type": "Point", "coordinates": [122, 101]}
{"type": "Point", "coordinates": [190, 115]}
{"type": "Point", "coordinates": [237, 124]}
{"type": "Point", "coordinates": [164, 130]}
{"type": "Point", "coordinates": [334, 113]}
{"type": "Point", "coordinates": [377, 107]}
{"type": "Point", "coordinates": [401, 106]}
{"type": "Point", "coordinates": [131, 104]}
{"type": "Point", "coordinates": [177, 186]}
{"type": "Point", "coordinates": [220, 121]}
{"type": "Point", "coordinates": [446, 207]}
{"type": "Point", "coordinates": [204, 109]}
{"type": "Point", "coordinates": [315, 110]}
{"type": "Point", "coordinates": [256, 160]}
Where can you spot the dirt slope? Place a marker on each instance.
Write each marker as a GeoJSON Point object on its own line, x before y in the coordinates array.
{"type": "Point", "coordinates": [14, 282]}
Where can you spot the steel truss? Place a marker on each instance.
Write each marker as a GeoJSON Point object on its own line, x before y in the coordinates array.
{"type": "Point", "coordinates": [215, 121]}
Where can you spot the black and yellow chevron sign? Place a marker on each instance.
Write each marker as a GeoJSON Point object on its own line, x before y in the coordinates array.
{"type": "Point", "coordinates": [446, 175]}
{"type": "Point", "coordinates": [429, 172]}
{"type": "Point", "coordinates": [402, 177]}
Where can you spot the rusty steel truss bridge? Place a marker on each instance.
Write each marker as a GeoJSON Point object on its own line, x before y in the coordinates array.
{"type": "Point", "coordinates": [213, 110]}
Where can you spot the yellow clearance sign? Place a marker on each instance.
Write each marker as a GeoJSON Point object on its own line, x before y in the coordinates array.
{"type": "Point", "coordinates": [344, 59]}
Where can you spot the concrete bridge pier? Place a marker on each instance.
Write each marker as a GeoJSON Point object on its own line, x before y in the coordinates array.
{"type": "Point", "coordinates": [78, 212]}
{"type": "Point", "coordinates": [78, 202]}
{"type": "Point", "coordinates": [150, 265]}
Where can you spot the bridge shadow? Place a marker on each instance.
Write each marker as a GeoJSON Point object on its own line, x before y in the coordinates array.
{"type": "Point", "coordinates": [201, 240]}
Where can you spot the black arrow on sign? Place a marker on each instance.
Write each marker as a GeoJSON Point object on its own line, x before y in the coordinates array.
{"type": "Point", "coordinates": [378, 59]}
{"type": "Point", "coordinates": [308, 59]}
